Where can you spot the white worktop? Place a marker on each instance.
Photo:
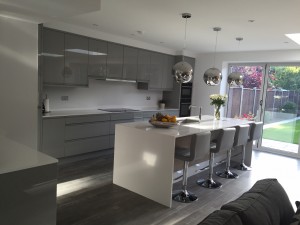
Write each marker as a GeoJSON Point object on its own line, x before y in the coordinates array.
{"type": "Point", "coordinates": [144, 155]}
{"type": "Point", "coordinates": [207, 123]}
{"type": "Point", "coordinates": [15, 156]}
{"type": "Point", "coordinates": [96, 111]}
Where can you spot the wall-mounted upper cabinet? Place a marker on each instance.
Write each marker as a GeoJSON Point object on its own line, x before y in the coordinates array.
{"type": "Point", "coordinates": [130, 63]}
{"type": "Point", "coordinates": [115, 53]}
{"type": "Point", "coordinates": [144, 65]}
{"type": "Point", "coordinates": [65, 58]}
{"type": "Point", "coordinates": [157, 62]}
{"type": "Point", "coordinates": [168, 77]}
{"type": "Point", "coordinates": [161, 77]}
{"type": "Point", "coordinates": [97, 58]}
{"type": "Point", "coordinates": [53, 53]}
{"type": "Point", "coordinates": [76, 60]}
{"type": "Point", "coordinates": [69, 59]}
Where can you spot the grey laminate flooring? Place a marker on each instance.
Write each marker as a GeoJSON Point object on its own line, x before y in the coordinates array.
{"type": "Point", "coordinates": [86, 195]}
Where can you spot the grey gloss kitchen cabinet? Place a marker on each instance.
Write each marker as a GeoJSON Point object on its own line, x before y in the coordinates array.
{"type": "Point", "coordinates": [157, 60]}
{"type": "Point", "coordinates": [97, 58]}
{"type": "Point", "coordinates": [144, 65]}
{"type": "Point", "coordinates": [168, 77]}
{"type": "Point", "coordinates": [53, 56]}
{"type": "Point", "coordinates": [115, 53]}
{"type": "Point", "coordinates": [53, 137]}
{"type": "Point", "coordinates": [76, 60]}
{"type": "Point", "coordinates": [130, 63]}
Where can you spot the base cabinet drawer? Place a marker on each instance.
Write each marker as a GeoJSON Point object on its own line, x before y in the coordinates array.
{"type": "Point", "coordinates": [81, 146]}
{"type": "Point", "coordinates": [85, 130]}
{"type": "Point", "coordinates": [53, 137]}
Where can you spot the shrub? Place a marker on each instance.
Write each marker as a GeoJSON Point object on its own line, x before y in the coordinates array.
{"type": "Point", "coordinates": [289, 107]}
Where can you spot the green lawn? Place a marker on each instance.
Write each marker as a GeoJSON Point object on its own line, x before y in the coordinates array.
{"type": "Point", "coordinates": [287, 132]}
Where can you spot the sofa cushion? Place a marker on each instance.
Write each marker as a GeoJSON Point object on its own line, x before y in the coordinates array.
{"type": "Point", "coordinates": [264, 204]}
{"type": "Point", "coordinates": [222, 217]}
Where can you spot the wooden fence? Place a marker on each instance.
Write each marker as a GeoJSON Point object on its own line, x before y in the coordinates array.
{"type": "Point", "coordinates": [244, 100]}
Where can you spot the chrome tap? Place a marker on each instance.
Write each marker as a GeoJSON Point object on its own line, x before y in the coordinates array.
{"type": "Point", "coordinates": [200, 110]}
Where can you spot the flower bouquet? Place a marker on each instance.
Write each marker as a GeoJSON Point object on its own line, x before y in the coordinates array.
{"type": "Point", "coordinates": [217, 100]}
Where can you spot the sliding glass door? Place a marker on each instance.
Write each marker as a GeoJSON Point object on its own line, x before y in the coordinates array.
{"type": "Point", "coordinates": [270, 93]}
{"type": "Point", "coordinates": [281, 110]}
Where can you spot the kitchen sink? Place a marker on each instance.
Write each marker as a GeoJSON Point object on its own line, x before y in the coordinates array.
{"type": "Point", "coordinates": [119, 110]}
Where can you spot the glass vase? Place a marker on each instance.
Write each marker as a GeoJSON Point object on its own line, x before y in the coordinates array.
{"type": "Point", "coordinates": [217, 112]}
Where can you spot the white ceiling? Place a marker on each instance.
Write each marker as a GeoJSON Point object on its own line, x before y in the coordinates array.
{"type": "Point", "coordinates": [39, 11]}
{"type": "Point", "coordinates": [161, 21]}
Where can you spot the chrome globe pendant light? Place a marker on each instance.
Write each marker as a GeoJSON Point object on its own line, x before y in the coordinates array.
{"type": "Point", "coordinates": [183, 71]}
{"type": "Point", "coordinates": [213, 76]}
{"type": "Point", "coordinates": [236, 78]}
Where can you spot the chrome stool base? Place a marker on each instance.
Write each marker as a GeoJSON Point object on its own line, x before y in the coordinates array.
{"type": "Point", "coordinates": [244, 167]}
{"type": "Point", "coordinates": [209, 183]}
{"type": "Point", "coordinates": [227, 174]}
{"type": "Point", "coordinates": [184, 196]}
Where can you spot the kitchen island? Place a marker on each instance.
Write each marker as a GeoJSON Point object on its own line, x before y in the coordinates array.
{"type": "Point", "coordinates": [144, 155]}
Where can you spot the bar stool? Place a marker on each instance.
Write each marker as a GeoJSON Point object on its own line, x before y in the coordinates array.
{"type": "Point", "coordinates": [198, 147]}
{"type": "Point", "coordinates": [254, 134]}
{"type": "Point", "coordinates": [240, 138]}
{"type": "Point", "coordinates": [223, 142]}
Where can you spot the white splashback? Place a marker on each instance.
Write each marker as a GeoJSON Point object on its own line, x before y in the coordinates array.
{"type": "Point", "coordinates": [101, 94]}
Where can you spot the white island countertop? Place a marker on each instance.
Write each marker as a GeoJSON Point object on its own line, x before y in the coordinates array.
{"type": "Point", "coordinates": [16, 156]}
{"type": "Point", "coordinates": [207, 123]}
{"type": "Point", "coordinates": [144, 154]}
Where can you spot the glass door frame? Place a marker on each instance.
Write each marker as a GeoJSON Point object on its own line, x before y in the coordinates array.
{"type": "Point", "coordinates": [262, 108]}
{"type": "Point", "coordinates": [262, 103]}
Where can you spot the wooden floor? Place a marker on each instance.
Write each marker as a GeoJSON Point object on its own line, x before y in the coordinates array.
{"type": "Point", "coordinates": [87, 196]}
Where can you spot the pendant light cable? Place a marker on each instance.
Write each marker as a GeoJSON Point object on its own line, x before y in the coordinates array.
{"type": "Point", "coordinates": [217, 29]}
{"type": "Point", "coordinates": [185, 16]}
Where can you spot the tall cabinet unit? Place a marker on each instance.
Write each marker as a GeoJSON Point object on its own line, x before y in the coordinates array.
{"type": "Point", "coordinates": [97, 58]}
{"type": "Point", "coordinates": [177, 98]}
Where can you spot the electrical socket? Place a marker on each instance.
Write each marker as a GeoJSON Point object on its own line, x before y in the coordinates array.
{"type": "Point", "coordinates": [148, 97]}
{"type": "Point", "coordinates": [64, 98]}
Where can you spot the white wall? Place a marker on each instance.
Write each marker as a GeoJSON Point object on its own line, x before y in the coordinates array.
{"type": "Point", "coordinates": [101, 93]}
{"type": "Point", "coordinates": [19, 81]}
{"type": "Point", "coordinates": [201, 91]}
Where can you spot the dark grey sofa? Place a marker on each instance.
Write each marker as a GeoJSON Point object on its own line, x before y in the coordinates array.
{"type": "Point", "coordinates": [266, 203]}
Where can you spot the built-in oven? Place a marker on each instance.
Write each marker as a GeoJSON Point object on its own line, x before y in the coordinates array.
{"type": "Point", "coordinates": [185, 99]}
{"type": "Point", "coordinates": [186, 90]}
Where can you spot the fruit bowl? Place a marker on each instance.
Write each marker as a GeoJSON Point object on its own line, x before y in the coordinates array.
{"type": "Point", "coordinates": [160, 124]}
